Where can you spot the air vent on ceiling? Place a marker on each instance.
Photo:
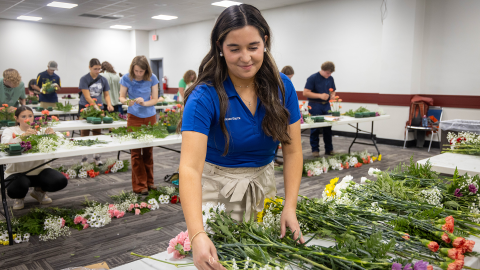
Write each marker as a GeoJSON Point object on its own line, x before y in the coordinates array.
{"type": "Point", "coordinates": [98, 16]}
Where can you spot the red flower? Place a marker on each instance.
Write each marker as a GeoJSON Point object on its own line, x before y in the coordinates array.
{"type": "Point", "coordinates": [406, 236]}
{"type": "Point", "coordinates": [167, 109]}
{"type": "Point", "coordinates": [458, 242]}
{"type": "Point", "coordinates": [449, 227]}
{"type": "Point", "coordinates": [86, 106]}
{"type": "Point", "coordinates": [347, 165]}
{"type": "Point", "coordinates": [468, 246]}
{"type": "Point", "coordinates": [433, 246]}
{"type": "Point", "coordinates": [45, 112]}
{"type": "Point", "coordinates": [331, 89]}
{"type": "Point", "coordinates": [175, 199]}
{"type": "Point", "coordinates": [446, 239]}
{"type": "Point", "coordinates": [179, 105]}
{"type": "Point", "coordinates": [107, 172]}
{"type": "Point", "coordinates": [13, 135]}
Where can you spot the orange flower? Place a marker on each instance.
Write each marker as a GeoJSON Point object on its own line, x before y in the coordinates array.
{"type": "Point", "coordinates": [309, 107]}
{"type": "Point", "coordinates": [347, 165]}
{"type": "Point", "coordinates": [45, 112]}
{"type": "Point", "coordinates": [452, 253]}
{"type": "Point", "coordinates": [433, 246]}
{"type": "Point", "coordinates": [99, 105]}
{"type": "Point", "coordinates": [459, 264]}
{"type": "Point", "coordinates": [86, 106]}
{"type": "Point", "coordinates": [94, 99]}
{"type": "Point", "coordinates": [300, 106]}
{"type": "Point", "coordinates": [303, 102]}
{"type": "Point", "coordinates": [167, 109]}
{"type": "Point", "coordinates": [37, 126]}
{"type": "Point", "coordinates": [406, 236]}
{"type": "Point", "coordinates": [448, 227]}
{"type": "Point", "coordinates": [92, 104]}
{"type": "Point", "coordinates": [67, 133]}
{"type": "Point", "coordinates": [26, 121]}
{"type": "Point", "coordinates": [446, 239]}
{"type": "Point", "coordinates": [331, 89]}
{"type": "Point", "coordinates": [458, 242]}
{"type": "Point", "coordinates": [54, 118]}
{"type": "Point", "coordinates": [468, 246]}
{"type": "Point", "coordinates": [337, 97]}
{"type": "Point", "coordinates": [429, 267]}
{"type": "Point", "coordinates": [339, 107]}
{"type": "Point", "coordinates": [82, 110]}
{"type": "Point", "coordinates": [5, 105]}
{"type": "Point", "coordinates": [174, 110]}
{"type": "Point", "coordinates": [340, 100]}
{"type": "Point", "coordinates": [179, 105]}
{"type": "Point", "coordinates": [13, 135]}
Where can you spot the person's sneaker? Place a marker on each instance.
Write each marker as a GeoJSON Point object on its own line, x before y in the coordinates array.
{"type": "Point", "coordinates": [331, 153]}
{"type": "Point", "coordinates": [41, 197]}
{"type": "Point", "coordinates": [18, 204]}
{"type": "Point", "coordinates": [315, 154]}
{"type": "Point", "coordinates": [84, 159]}
{"type": "Point", "coordinates": [97, 160]}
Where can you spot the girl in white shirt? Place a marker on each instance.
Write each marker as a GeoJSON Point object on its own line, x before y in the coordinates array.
{"type": "Point", "coordinates": [43, 179]}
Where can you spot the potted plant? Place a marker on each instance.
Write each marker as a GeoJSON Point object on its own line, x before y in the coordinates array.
{"type": "Point", "coordinates": [335, 106]}
{"type": "Point", "coordinates": [91, 110]}
{"type": "Point", "coordinates": [171, 117]}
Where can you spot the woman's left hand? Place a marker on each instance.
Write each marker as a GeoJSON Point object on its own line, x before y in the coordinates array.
{"type": "Point", "coordinates": [289, 219]}
{"type": "Point", "coordinates": [110, 108]}
{"type": "Point", "coordinates": [49, 131]}
{"type": "Point", "coordinates": [140, 101]}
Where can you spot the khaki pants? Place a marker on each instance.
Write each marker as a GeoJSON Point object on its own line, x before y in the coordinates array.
{"type": "Point", "coordinates": [242, 190]}
{"type": "Point", "coordinates": [45, 105]}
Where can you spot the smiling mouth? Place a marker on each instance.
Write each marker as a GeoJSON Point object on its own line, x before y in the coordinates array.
{"type": "Point", "coordinates": [246, 67]}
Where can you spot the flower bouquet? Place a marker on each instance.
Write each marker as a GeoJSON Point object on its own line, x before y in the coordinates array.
{"type": "Point", "coordinates": [49, 87]}
{"type": "Point", "coordinates": [304, 111]}
{"type": "Point", "coordinates": [171, 117]}
{"type": "Point", "coordinates": [32, 99]}
{"type": "Point", "coordinates": [42, 122]}
{"type": "Point", "coordinates": [463, 143]}
{"type": "Point", "coordinates": [6, 117]}
{"type": "Point", "coordinates": [335, 106]}
{"type": "Point", "coordinates": [92, 110]}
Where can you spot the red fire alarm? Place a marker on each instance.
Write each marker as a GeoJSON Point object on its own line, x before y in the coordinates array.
{"type": "Point", "coordinates": [154, 37]}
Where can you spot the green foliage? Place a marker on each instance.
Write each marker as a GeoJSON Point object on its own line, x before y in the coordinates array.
{"type": "Point", "coordinates": [352, 113]}
{"type": "Point", "coordinates": [158, 131]}
{"type": "Point", "coordinates": [64, 108]}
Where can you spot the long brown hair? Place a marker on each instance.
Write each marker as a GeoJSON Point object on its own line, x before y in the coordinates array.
{"type": "Point", "coordinates": [106, 66]}
{"type": "Point", "coordinates": [213, 71]}
{"type": "Point", "coordinates": [188, 75]}
{"type": "Point", "coordinates": [142, 62]}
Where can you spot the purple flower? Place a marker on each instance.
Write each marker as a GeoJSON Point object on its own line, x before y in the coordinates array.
{"type": "Point", "coordinates": [473, 189]}
{"type": "Point", "coordinates": [69, 96]}
{"type": "Point", "coordinates": [301, 120]}
{"type": "Point", "coordinates": [408, 267]}
{"type": "Point", "coordinates": [420, 265]}
{"type": "Point", "coordinates": [37, 118]}
{"type": "Point", "coordinates": [457, 193]}
{"type": "Point", "coordinates": [396, 266]}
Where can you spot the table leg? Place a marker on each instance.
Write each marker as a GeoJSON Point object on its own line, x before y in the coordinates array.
{"type": "Point", "coordinates": [356, 135]}
{"type": "Point", "coordinates": [372, 137]}
{"type": "Point", "coordinates": [5, 206]}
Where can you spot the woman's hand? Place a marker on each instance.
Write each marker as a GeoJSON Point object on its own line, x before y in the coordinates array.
{"type": "Point", "coordinates": [30, 131]}
{"type": "Point", "coordinates": [110, 108]}
{"type": "Point", "coordinates": [49, 131]}
{"type": "Point", "coordinates": [205, 254]}
{"type": "Point", "coordinates": [131, 102]}
{"type": "Point", "coordinates": [289, 219]}
{"type": "Point", "coordinates": [140, 101]}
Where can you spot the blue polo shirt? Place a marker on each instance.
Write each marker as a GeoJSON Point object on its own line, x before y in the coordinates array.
{"type": "Point", "coordinates": [249, 146]}
{"type": "Point", "coordinates": [318, 84]}
{"type": "Point", "coordinates": [41, 79]}
{"type": "Point", "coordinates": [138, 89]}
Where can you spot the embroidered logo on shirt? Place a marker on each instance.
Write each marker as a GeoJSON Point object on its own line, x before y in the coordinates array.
{"type": "Point", "coordinates": [232, 118]}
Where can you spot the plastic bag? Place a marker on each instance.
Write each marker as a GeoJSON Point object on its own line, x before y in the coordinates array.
{"type": "Point", "coordinates": [460, 125]}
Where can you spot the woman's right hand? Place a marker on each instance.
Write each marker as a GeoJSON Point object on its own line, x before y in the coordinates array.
{"type": "Point", "coordinates": [131, 103]}
{"type": "Point", "coordinates": [205, 254]}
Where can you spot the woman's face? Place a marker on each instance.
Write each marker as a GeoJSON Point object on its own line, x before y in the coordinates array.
{"type": "Point", "coordinates": [290, 76]}
{"type": "Point", "coordinates": [243, 52]}
{"type": "Point", "coordinates": [192, 77]}
{"type": "Point", "coordinates": [139, 73]}
{"type": "Point", "coordinates": [95, 69]}
{"type": "Point", "coordinates": [23, 117]}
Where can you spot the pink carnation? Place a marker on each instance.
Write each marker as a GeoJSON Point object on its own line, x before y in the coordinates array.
{"type": "Point", "coordinates": [120, 215]}
{"type": "Point", "coordinates": [309, 173]}
{"type": "Point", "coordinates": [136, 205]}
{"type": "Point", "coordinates": [85, 226]}
{"type": "Point", "coordinates": [116, 213]}
{"type": "Point", "coordinates": [111, 206]}
{"type": "Point", "coordinates": [187, 246]}
{"type": "Point", "coordinates": [149, 206]}
{"type": "Point", "coordinates": [63, 223]}
{"type": "Point", "coordinates": [137, 212]}
{"type": "Point", "coordinates": [84, 221]}
{"type": "Point", "coordinates": [78, 219]}
{"type": "Point", "coordinates": [143, 205]}
{"type": "Point", "coordinates": [130, 207]}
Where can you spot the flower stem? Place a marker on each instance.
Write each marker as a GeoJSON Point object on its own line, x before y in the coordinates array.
{"type": "Point", "coordinates": [178, 265]}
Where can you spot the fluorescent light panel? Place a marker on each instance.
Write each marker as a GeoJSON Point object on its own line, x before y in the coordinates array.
{"type": "Point", "coordinates": [226, 3]}
{"type": "Point", "coordinates": [29, 18]}
{"type": "Point", "coordinates": [61, 5]}
{"type": "Point", "coordinates": [164, 17]}
{"type": "Point", "coordinates": [121, 26]}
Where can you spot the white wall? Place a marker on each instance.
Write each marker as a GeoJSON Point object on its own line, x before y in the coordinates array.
{"type": "Point", "coordinates": [140, 42]}
{"type": "Point", "coordinates": [182, 48]}
{"type": "Point", "coordinates": [28, 47]}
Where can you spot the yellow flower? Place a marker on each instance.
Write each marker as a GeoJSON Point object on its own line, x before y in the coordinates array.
{"type": "Point", "coordinates": [266, 205]}
{"type": "Point", "coordinates": [380, 157]}
{"type": "Point", "coordinates": [374, 158]}
{"type": "Point", "coordinates": [334, 180]}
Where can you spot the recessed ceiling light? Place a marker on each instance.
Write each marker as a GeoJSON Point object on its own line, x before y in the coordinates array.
{"type": "Point", "coordinates": [226, 3]}
{"type": "Point", "coordinates": [164, 17]}
{"type": "Point", "coordinates": [61, 5]}
{"type": "Point", "coordinates": [121, 26]}
{"type": "Point", "coordinates": [29, 18]}
{"type": "Point", "coordinates": [117, 15]}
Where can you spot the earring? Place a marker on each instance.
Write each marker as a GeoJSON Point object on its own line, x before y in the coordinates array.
{"type": "Point", "coordinates": [265, 49]}
{"type": "Point", "coordinates": [221, 54]}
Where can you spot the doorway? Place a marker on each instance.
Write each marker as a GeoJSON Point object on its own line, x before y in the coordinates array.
{"type": "Point", "coordinates": [157, 69]}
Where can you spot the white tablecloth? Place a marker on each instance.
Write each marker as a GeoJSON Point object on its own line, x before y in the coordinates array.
{"type": "Point", "coordinates": [447, 162]}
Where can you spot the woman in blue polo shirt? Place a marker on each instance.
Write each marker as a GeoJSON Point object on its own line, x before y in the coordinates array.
{"type": "Point", "coordinates": [141, 86]}
{"type": "Point", "coordinates": [235, 115]}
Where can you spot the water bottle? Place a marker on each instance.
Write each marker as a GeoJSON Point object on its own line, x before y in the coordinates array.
{"type": "Point", "coordinates": [424, 121]}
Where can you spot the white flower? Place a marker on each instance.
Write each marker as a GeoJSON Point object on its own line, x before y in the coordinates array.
{"type": "Point", "coordinates": [170, 190]}
{"type": "Point", "coordinates": [71, 173]}
{"type": "Point", "coordinates": [164, 199]}
{"type": "Point", "coordinates": [146, 138]}
{"type": "Point", "coordinates": [82, 174]}
{"type": "Point", "coordinates": [363, 180]}
{"type": "Point", "coordinates": [53, 229]}
{"type": "Point", "coordinates": [374, 172]}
